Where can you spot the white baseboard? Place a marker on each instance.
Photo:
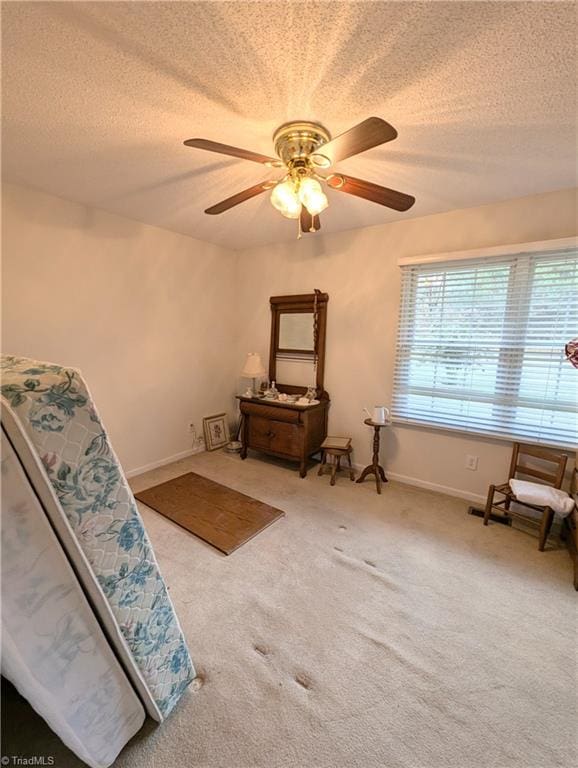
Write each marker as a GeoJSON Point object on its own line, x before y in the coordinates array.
{"type": "Point", "coordinates": [416, 482]}
{"type": "Point", "coordinates": [426, 485]}
{"type": "Point", "coordinates": [163, 462]}
{"type": "Point", "coordinates": [448, 490]}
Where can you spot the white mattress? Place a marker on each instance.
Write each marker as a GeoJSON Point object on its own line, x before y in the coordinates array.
{"type": "Point", "coordinates": [53, 648]}
{"type": "Point", "coordinates": [52, 422]}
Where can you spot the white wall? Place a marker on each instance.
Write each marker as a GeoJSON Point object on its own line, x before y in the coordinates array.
{"type": "Point", "coordinates": [359, 271]}
{"type": "Point", "coordinates": [146, 314]}
{"type": "Point", "coordinates": [160, 323]}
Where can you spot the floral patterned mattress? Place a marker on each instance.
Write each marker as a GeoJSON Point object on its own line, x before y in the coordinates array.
{"type": "Point", "coordinates": [51, 420]}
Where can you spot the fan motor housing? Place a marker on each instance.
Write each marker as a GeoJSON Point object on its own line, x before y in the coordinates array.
{"type": "Point", "coordinates": [298, 140]}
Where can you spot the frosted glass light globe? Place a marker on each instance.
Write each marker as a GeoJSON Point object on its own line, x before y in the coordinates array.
{"type": "Point", "coordinates": [312, 196]}
{"type": "Point", "coordinates": [285, 200]}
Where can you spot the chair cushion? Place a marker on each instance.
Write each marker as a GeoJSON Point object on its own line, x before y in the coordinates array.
{"type": "Point", "coordinates": [542, 495]}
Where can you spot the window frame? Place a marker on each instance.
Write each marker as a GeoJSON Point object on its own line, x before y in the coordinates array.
{"type": "Point", "coordinates": [524, 261]}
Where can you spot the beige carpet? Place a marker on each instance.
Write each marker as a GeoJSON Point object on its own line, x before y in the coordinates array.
{"type": "Point", "coordinates": [363, 631]}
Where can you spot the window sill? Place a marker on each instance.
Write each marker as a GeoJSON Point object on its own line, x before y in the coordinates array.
{"type": "Point", "coordinates": [479, 435]}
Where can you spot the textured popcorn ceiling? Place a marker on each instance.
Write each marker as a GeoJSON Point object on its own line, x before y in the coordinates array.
{"type": "Point", "coordinates": [98, 98]}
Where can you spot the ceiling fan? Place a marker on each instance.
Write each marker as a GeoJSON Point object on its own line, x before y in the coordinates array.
{"type": "Point", "coordinates": [302, 149]}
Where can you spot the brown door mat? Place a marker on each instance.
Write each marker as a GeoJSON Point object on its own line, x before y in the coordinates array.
{"type": "Point", "coordinates": [219, 515]}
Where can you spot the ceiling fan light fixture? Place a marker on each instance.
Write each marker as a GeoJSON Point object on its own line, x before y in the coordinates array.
{"type": "Point", "coordinates": [285, 200]}
{"type": "Point", "coordinates": [312, 196]}
{"type": "Point", "coordinates": [302, 147]}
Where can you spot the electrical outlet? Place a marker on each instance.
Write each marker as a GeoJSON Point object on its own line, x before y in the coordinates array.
{"type": "Point", "coordinates": [192, 429]}
{"type": "Point", "coordinates": [471, 462]}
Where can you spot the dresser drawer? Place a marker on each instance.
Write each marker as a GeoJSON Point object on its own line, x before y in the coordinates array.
{"type": "Point", "coordinates": [276, 436]}
{"type": "Point", "coordinates": [260, 432]}
{"type": "Point", "coordinates": [270, 412]}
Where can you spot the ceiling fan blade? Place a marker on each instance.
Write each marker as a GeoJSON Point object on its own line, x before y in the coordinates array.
{"type": "Point", "coordinates": [225, 149]}
{"type": "Point", "coordinates": [369, 191]}
{"type": "Point", "coordinates": [370, 133]}
{"type": "Point", "coordinates": [240, 197]}
{"type": "Point", "coordinates": [309, 223]}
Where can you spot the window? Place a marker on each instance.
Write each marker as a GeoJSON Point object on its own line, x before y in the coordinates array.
{"type": "Point", "coordinates": [481, 346]}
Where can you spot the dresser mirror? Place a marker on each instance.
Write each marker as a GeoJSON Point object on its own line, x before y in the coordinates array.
{"type": "Point", "coordinates": [296, 332]}
{"type": "Point", "coordinates": [297, 352]}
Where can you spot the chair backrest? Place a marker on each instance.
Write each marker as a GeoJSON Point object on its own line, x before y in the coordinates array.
{"type": "Point", "coordinates": [553, 476]}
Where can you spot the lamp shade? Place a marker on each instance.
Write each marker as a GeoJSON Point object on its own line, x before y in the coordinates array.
{"type": "Point", "coordinates": [253, 366]}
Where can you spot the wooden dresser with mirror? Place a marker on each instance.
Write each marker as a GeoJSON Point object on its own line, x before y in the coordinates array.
{"type": "Point", "coordinates": [296, 364]}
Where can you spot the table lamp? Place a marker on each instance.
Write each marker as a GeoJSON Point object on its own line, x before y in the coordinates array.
{"type": "Point", "coordinates": [253, 369]}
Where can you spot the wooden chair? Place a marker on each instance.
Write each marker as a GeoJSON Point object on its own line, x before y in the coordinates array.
{"type": "Point", "coordinates": [553, 478]}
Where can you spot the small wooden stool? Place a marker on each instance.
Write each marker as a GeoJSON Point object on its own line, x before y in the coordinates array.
{"type": "Point", "coordinates": [336, 447]}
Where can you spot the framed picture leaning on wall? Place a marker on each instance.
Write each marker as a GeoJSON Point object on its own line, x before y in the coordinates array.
{"type": "Point", "coordinates": [216, 431]}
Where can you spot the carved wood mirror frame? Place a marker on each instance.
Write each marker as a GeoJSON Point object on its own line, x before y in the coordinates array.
{"type": "Point", "coordinates": [295, 304]}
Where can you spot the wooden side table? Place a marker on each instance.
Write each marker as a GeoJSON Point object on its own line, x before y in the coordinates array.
{"type": "Point", "coordinates": [374, 468]}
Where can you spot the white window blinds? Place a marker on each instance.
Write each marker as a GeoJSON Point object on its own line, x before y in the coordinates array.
{"type": "Point", "coordinates": [481, 347]}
